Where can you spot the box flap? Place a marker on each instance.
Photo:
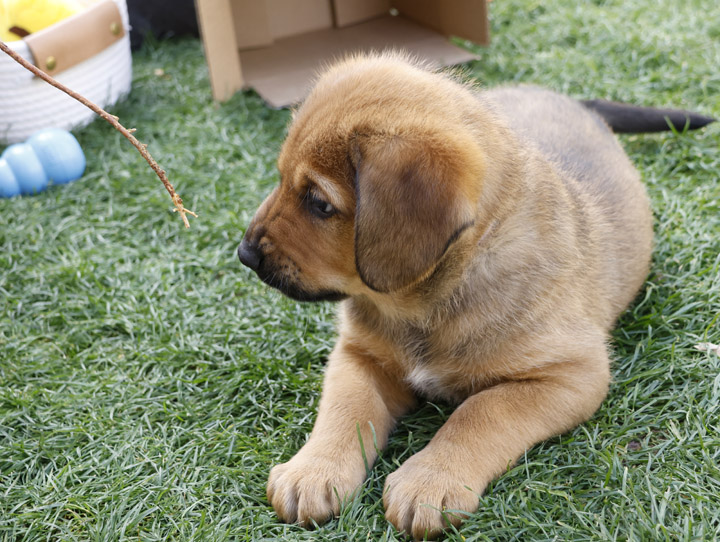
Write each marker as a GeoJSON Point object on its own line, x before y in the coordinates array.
{"type": "Point", "coordinates": [252, 28]}
{"type": "Point", "coordinates": [258, 23]}
{"type": "Point", "coordinates": [291, 17]}
{"type": "Point", "coordinates": [467, 19]}
{"type": "Point", "coordinates": [215, 19]}
{"type": "Point", "coordinates": [348, 12]}
{"type": "Point", "coordinates": [283, 73]}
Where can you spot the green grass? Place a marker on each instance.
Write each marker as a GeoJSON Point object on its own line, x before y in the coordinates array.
{"type": "Point", "coordinates": [148, 382]}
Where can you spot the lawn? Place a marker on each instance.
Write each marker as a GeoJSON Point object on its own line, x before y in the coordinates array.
{"type": "Point", "coordinates": [148, 381]}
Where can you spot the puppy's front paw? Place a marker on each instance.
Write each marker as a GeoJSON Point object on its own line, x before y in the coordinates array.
{"type": "Point", "coordinates": [310, 487]}
{"type": "Point", "coordinates": [426, 494]}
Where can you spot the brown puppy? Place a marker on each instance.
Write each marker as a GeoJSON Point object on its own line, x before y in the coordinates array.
{"type": "Point", "coordinates": [484, 244]}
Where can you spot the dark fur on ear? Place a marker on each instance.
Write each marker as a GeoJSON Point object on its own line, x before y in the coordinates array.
{"type": "Point", "coordinates": [410, 205]}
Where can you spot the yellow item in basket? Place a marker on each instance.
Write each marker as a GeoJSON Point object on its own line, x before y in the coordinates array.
{"type": "Point", "coordinates": [19, 18]}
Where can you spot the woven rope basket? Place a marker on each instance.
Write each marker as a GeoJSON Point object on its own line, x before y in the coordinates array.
{"type": "Point", "coordinates": [28, 104]}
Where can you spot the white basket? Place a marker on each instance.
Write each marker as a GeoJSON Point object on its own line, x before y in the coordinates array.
{"type": "Point", "coordinates": [28, 104]}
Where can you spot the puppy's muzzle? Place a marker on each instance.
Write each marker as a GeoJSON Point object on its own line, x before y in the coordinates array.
{"type": "Point", "coordinates": [249, 254]}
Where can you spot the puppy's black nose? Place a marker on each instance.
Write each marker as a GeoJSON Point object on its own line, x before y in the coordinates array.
{"type": "Point", "coordinates": [249, 254]}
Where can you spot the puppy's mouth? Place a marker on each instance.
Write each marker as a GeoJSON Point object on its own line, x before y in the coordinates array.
{"type": "Point", "coordinates": [295, 291]}
{"type": "Point", "coordinates": [251, 257]}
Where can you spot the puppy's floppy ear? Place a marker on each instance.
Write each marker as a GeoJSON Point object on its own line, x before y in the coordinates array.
{"type": "Point", "coordinates": [414, 196]}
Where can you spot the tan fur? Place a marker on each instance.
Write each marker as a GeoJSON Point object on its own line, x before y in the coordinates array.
{"type": "Point", "coordinates": [485, 243]}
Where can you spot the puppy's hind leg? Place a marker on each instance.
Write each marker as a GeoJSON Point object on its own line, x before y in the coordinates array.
{"type": "Point", "coordinates": [329, 468]}
{"type": "Point", "coordinates": [486, 434]}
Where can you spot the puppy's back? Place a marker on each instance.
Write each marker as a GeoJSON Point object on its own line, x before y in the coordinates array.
{"type": "Point", "coordinates": [589, 159]}
{"type": "Point", "coordinates": [575, 139]}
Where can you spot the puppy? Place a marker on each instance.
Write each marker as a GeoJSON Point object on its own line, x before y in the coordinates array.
{"type": "Point", "coordinates": [483, 244]}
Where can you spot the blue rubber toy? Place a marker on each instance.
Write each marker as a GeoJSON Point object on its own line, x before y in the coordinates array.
{"type": "Point", "coordinates": [51, 156]}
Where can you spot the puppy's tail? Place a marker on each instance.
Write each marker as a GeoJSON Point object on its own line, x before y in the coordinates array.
{"type": "Point", "coordinates": [632, 119]}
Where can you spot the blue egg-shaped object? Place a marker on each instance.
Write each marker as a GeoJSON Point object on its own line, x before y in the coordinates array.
{"type": "Point", "coordinates": [27, 168]}
{"type": "Point", "coordinates": [9, 186]}
{"type": "Point", "coordinates": [60, 154]}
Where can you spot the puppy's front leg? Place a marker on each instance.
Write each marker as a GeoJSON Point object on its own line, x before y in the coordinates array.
{"type": "Point", "coordinates": [485, 435]}
{"type": "Point", "coordinates": [357, 393]}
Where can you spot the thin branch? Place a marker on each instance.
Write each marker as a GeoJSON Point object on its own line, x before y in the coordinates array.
{"type": "Point", "coordinates": [113, 120]}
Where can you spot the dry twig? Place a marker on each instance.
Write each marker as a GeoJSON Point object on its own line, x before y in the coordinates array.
{"type": "Point", "coordinates": [113, 120]}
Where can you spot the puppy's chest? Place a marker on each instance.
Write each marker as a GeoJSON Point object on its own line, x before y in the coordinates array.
{"type": "Point", "coordinates": [442, 363]}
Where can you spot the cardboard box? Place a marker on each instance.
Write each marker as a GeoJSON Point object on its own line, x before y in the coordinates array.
{"type": "Point", "coordinates": [277, 46]}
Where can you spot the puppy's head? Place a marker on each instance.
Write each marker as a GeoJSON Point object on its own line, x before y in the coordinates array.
{"type": "Point", "coordinates": [379, 178]}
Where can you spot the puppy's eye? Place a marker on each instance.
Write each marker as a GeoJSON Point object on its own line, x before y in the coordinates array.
{"type": "Point", "coordinates": [319, 207]}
